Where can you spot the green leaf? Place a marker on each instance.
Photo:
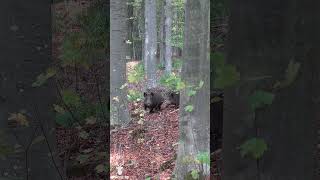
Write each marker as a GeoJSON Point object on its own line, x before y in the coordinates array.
{"type": "Point", "coordinates": [189, 108]}
{"type": "Point", "coordinates": [215, 99]}
{"type": "Point", "coordinates": [195, 174]}
{"type": "Point", "coordinates": [148, 178]}
{"type": "Point", "coordinates": [218, 59]}
{"type": "Point", "coordinates": [290, 76]}
{"type": "Point", "coordinates": [291, 72]}
{"type": "Point", "coordinates": [5, 149]}
{"type": "Point", "coordinates": [260, 98]}
{"type": "Point", "coordinates": [200, 84]}
{"type": "Point", "coordinates": [137, 74]}
{"type": "Point", "coordinates": [203, 157]}
{"type": "Point", "coordinates": [191, 93]}
{"type": "Point", "coordinates": [71, 98]}
{"type": "Point", "coordinates": [43, 77]}
{"type": "Point", "coordinates": [64, 119]}
{"type": "Point", "coordinates": [180, 85]}
{"type": "Point", "coordinates": [134, 95]}
{"type": "Point", "coordinates": [226, 76]}
{"type": "Point", "coordinates": [254, 147]}
{"type": "Point", "coordinates": [123, 86]}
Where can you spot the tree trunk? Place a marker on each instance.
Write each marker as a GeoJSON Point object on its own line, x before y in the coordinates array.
{"type": "Point", "coordinates": [194, 125]}
{"type": "Point", "coordinates": [130, 36]}
{"type": "Point", "coordinates": [162, 35]}
{"type": "Point", "coordinates": [119, 113]}
{"type": "Point", "coordinates": [265, 37]}
{"type": "Point", "coordinates": [31, 133]}
{"type": "Point", "coordinates": [168, 49]}
{"type": "Point", "coordinates": [150, 45]}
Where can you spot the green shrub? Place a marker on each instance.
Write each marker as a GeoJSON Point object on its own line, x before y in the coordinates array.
{"type": "Point", "coordinates": [80, 109]}
{"type": "Point", "coordinates": [172, 81]}
{"type": "Point", "coordinates": [137, 74]}
{"type": "Point", "coordinates": [177, 64]}
{"type": "Point", "coordinates": [134, 95]}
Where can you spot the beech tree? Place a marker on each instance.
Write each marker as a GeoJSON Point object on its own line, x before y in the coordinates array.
{"type": "Point", "coordinates": [167, 36]}
{"type": "Point", "coordinates": [150, 44]}
{"type": "Point", "coordinates": [119, 113]}
{"type": "Point", "coordinates": [194, 121]}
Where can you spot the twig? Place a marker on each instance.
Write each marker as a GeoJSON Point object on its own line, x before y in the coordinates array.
{"type": "Point", "coordinates": [65, 105]}
{"type": "Point", "coordinates": [47, 142]}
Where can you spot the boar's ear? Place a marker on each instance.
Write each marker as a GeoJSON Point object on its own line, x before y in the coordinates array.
{"type": "Point", "coordinates": [152, 93]}
{"type": "Point", "coordinates": [144, 94]}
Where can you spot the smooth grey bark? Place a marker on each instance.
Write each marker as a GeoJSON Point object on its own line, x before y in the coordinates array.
{"type": "Point", "coordinates": [168, 28]}
{"type": "Point", "coordinates": [150, 45]}
{"type": "Point", "coordinates": [26, 52]}
{"type": "Point", "coordinates": [162, 34]}
{"type": "Point", "coordinates": [119, 114]}
{"type": "Point", "coordinates": [264, 37]}
{"type": "Point", "coordinates": [194, 126]}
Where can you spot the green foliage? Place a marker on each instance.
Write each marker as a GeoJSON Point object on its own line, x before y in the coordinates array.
{"type": "Point", "coordinates": [218, 9]}
{"type": "Point", "coordinates": [64, 119]}
{"type": "Point", "coordinates": [43, 77]}
{"type": "Point", "coordinates": [218, 59]}
{"type": "Point", "coordinates": [88, 45]}
{"type": "Point", "coordinates": [201, 83]}
{"type": "Point", "coordinates": [72, 53]}
{"type": "Point", "coordinates": [189, 108]}
{"type": "Point", "coordinates": [148, 178]}
{"type": "Point", "coordinates": [260, 98]}
{"type": "Point", "coordinates": [195, 174]}
{"type": "Point", "coordinates": [134, 95]}
{"type": "Point", "coordinates": [160, 66]}
{"type": "Point", "coordinates": [5, 149]}
{"type": "Point", "coordinates": [80, 109]}
{"type": "Point", "coordinates": [135, 3]}
{"type": "Point", "coordinates": [177, 64]}
{"type": "Point", "coordinates": [225, 75]}
{"type": "Point", "coordinates": [191, 92]}
{"type": "Point", "coordinates": [254, 148]}
{"type": "Point", "coordinates": [290, 76]}
{"type": "Point", "coordinates": [177, 36]}
{"type": "Point", "coordinates": [203, 158]}
{"type": "Point", "coordinates": [71, 98]}
{"type": "Point", "coordinates": [172, 81]}
{"type": "Point", "coordinates": [137, 74]}
{"type": "Point", "coordinates": [94, 26]}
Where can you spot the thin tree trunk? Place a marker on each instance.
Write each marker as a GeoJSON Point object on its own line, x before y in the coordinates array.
{"type": "Point", "coordinates": [162, 35]}
{"type": "Point", "coordinates": [168, 47]}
